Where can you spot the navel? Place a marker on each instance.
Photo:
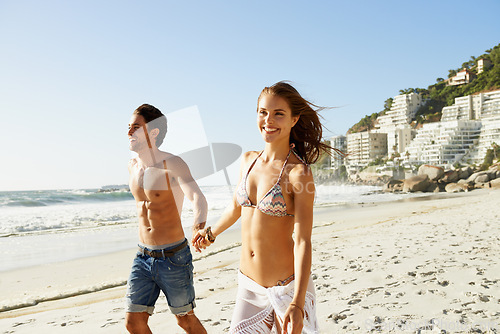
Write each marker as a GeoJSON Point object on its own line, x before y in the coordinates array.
{"type": "Point", "coordinates": [252, 254]}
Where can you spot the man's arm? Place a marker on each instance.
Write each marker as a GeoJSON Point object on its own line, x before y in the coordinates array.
{"type": "Point", "coordinates": [193, 193]}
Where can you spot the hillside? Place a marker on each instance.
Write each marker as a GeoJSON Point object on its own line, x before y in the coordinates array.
{"type": "Point", "coordinates": [440, 95]}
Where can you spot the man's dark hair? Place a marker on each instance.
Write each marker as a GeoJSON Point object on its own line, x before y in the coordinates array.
{"type": "Point", "coordinates": [150, 114]}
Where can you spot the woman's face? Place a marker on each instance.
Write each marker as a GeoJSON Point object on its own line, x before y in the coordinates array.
{"type": "Point", "coordinates": [274, 118]}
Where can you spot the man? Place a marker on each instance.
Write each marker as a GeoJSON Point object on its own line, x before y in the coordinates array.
{"type": "Point", "coordinates": [159, 181]}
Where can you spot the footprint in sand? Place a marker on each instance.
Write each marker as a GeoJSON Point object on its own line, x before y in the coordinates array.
{"type": "Point", "coordinates": [110, 323]}
{"type": "Point", "coordinates": [336, 317]}
{"type": "Point", "coordinates": [354, 301]}
{"type": "Point", "coordinates": [17, 324]}
{"type": "Point", "coordinates": [70, 323]}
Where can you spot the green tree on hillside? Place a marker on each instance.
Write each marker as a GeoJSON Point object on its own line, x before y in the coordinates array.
{"type": "Point", "coordinates": [492, 154]}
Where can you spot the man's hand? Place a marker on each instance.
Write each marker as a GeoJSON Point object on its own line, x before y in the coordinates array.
{"type": "Point", "coordinates": [198, 226]}
{"type": "Point", "coordinates": [200, 241]}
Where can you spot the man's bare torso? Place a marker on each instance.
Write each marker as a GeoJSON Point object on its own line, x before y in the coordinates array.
{"type": "Point", "coordinates": [159, 199]}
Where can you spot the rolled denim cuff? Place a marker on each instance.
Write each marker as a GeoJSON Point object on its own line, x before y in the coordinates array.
{"type": "Point", "coordinates": [183, 310]}
{"type": "Point", "coordinates": [134, 308]}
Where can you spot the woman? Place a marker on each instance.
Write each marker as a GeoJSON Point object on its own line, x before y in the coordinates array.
{"type": "Point", "coordinates": [275, 199]}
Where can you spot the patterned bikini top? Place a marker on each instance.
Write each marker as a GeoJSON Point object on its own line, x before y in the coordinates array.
{"type": "Point", "coordinates": [273, 202]}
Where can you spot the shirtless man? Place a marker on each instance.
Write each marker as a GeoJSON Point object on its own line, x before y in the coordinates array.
{"type": "Point", "coordinates": [159, 181]}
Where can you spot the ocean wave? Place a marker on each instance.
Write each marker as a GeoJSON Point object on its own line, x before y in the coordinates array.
{"type": "Point", "coordinates": [33, 229]}
{"type": "Point", "coordinates": [28, 203]}
{"type": "Point", "coordinates": [58, 197]}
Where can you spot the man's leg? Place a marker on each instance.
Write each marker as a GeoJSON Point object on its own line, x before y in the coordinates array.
{"type": "Point", "coordinates": [190, 323]}
{"type": "Point", "coordinates": [137, 323]}
{"type": "Point", "coordinates": [142, 293]}
{"type": "Point", "coordinates": [175, 277]}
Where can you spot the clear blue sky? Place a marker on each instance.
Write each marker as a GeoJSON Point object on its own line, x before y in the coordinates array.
{"type": "Point", "coordinates": [72, 72]}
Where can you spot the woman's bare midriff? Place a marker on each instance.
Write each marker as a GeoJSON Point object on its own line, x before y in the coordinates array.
{"type": "Point", "coordinates": [267, 247]}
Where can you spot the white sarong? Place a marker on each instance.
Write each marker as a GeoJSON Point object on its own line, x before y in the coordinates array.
{"type": "Point", "coordinates": [256, 306]}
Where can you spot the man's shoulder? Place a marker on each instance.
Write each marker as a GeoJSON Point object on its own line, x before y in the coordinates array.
{"type": "Point", "coordinates": [171, 158]}
{"type": "Point", "coordinates": [132, 162]}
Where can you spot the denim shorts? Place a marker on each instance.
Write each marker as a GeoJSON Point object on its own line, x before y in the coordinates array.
{"type": "Point", "coordinates": [172, 274]}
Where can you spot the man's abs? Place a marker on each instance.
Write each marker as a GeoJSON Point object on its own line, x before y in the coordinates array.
{"type": "Point", "coordinates": [159, 223]}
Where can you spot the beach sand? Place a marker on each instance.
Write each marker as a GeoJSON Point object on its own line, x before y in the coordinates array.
{"type": "Point", "coordinates": [425, 265]}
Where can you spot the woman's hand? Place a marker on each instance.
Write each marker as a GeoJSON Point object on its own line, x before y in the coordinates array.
{"type": "Point", "coordinates": [295, 316]}
{"type": "Point", "coordinates": [200, 241]}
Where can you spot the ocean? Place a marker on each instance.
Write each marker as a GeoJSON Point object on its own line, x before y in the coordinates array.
{"type": "Point", "coordinates": [57, 225]}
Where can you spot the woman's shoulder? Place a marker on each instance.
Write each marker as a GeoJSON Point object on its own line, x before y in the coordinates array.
{"type": "Point", "coordinates": [299, 171]}
{"type": "Point", "coordinates": [249, 156]}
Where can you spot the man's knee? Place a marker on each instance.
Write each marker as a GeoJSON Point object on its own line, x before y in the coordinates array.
{"type": "Point", "coordinates": [184, 319]}
{"type": "Point", "coordinates": [189, 322]}
{"type": "Point", "coordinates": [137, 322]}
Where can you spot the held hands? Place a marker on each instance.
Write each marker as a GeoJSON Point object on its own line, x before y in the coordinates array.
{"type": "Point", "coordinates": [201, 239]}
{"type": "Point", "coordinates": [295, 316]}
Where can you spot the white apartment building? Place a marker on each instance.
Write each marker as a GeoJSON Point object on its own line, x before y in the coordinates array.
{"type": "Point", "coordinates": [403, 110]}
{"type": "Point", "coordinates": [398, 139]}
{"type": "Point", "coordinates": [396, 122]}
{"type": "Point", "coordinates": [483, 64]}
{"type": "Point", "coordinates": [466, 131]}
{"type": "Point", "coordinates": [479, 106]}
{"type": "Point", "coordinates": [490, 133]}
{"type": "Point", "coordinates": [443, 143]}
{"type": "Point", "coordinates": [364, 147]}
{"type": "Point", "coordinates": [338, 142]}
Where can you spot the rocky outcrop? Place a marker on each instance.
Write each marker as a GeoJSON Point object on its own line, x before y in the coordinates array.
{"type": "Point", "coordinates": [416, 183]}
{"type": "Point", "coordinates": [450, 176]}
{"type": "Point", "coordinates": [434, 173]}
{"type": "Point", "coordinates": [436, 179]}
{"type": "Point", "coordinates": [464, 172]}
{"type": "Point", "coordinates": [495, 183]}
{"type": "Point", "coordinates": [393, 186]}
{"type": "Point", "coordinates": [483, 177]}
{"type": "Point", "coordinates": [455, 188]}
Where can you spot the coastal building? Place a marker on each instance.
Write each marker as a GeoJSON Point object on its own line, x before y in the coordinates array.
{"type": "Point", "coordinates": [402, 111]}
{"type": "Point", "coordinates": [489, 135]}
{"type": "Point", "coordinates": [479, 106]}
{"type": "Point", "coordinates": [364, 147]}
{"type": "Point", "coordinates": [443, 143]}
{"type": "Point", "coordinates": [340, 143]}
{"type": "Point", "coordinates": [482, 65]}
{"type": "Point", "coordinates": [396, 122]}
{"type": "Point", "coordinates": [462, 77]}
{"type": "Point", "coordinates": [486, 108]}
{"type": "Point", "coordinates": [466, 131]}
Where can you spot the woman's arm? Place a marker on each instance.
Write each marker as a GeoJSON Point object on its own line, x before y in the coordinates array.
{"type": "Point", "coordinates": [302, 183]}
{"type": "Point", "coordinates": [228, 218]}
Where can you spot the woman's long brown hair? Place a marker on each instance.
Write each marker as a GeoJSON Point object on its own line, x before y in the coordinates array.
{"type": "Point", "coordinates": [307, 133]}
